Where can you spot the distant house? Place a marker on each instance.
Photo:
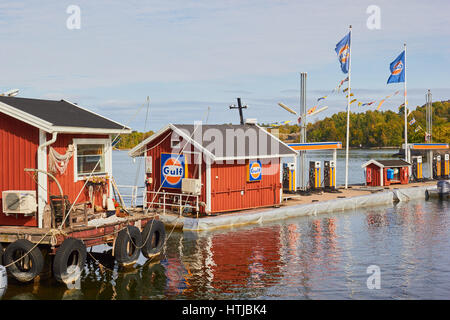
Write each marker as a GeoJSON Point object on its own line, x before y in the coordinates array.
{"type": "Point", "coordinates": [29, 128]}
{"type": "Point", "coordinates": [386, 172]}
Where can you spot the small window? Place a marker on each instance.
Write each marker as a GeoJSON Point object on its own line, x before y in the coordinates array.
{"type": "Point", "coordinates": [87, 157]}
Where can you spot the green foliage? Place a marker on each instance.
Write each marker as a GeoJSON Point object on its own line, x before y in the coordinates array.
{"type": "Point", "coordinates": [128, 141]}
{"type": "Point", "coordinates": [375, 128]}
{"type": "Point", "coordinates": [368, 129]}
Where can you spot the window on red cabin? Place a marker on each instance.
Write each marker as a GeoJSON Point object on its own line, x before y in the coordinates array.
{"type": "Point", "coordinates": [87, 157]}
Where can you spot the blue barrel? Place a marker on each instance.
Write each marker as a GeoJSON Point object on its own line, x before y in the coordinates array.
{"type": "Point", "coordinates": [390, 174]}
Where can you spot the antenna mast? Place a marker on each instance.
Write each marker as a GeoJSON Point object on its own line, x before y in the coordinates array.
{"type": "Point", "coordinates": [240, 107]}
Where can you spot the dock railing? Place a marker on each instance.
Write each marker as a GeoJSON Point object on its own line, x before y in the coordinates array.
{"type": "Point", "coordinates": [168, 200]}
{"type": "Point", "coordinates": [132, 195]}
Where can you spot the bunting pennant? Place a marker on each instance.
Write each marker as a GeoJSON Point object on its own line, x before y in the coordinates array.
{"type": "Point", "coordinates": [359, 103]}
{"type": "Point", "coordinates": [353, 101]}
{"type": "Point", "coordinates": [412, 121]}
{"type": "Point", "coordinates": [345, 90]}
{"type": "Point", "coordinates": [312, 110]}
{"type": "Point", "coordinates": [381, 102]}
{"type": "Point", "coordinates": [351, 95]}
{"type": "Point", "coordinates": [321, 98]}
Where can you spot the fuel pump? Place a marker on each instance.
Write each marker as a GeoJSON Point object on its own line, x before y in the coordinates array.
{"type": "Point", "coordinates": [437, 167]}
{"type": "Point", "coordinates": [314, 175]}
{"type": "Point", "coordinates": [446, 173]}
{"type": "Point", "coordinates": [329, 175]}
{"type": "Point", "coordinates": [417, 169]}
{"type": "Point", "coordinates": [289, 177]}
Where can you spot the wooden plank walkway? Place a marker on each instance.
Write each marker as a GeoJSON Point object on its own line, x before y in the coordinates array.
{"type": "Point", "coordinates": [90, 234]}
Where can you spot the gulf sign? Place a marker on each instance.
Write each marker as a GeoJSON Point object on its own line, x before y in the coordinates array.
{"type": "Point", "coordinates": [254, 171]}
{"type": "Point", "coordinates": [172, 170]}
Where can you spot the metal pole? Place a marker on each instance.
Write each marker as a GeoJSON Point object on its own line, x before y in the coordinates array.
{"type": "Point", "coordinates": [406, 115]}
{"type": "Point", "coordinates": [348, 109]}
{"type": "Point", "coordinates": [303, 76]}
{"type": "Point", "coordinates": [240, 110]}
{"type": "Point", "coordinates": [429, 117]}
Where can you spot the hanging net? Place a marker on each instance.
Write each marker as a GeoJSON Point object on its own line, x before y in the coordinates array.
{"type": "Point", "coordinates": [57, 163]}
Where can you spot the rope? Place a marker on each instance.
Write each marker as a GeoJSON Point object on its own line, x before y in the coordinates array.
{"type": "Point", "coordinates": [112, 271]}
{"type": "Point", "coordinates": [59, 230]}
{"type": "Point", "coordinates": [53, 232]}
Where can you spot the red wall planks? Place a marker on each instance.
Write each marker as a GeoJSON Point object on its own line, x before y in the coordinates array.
{"type": "Point", "coordinates": [231, 191]}
{"type": "Point", "coordinates": [227, 180]}
{"type": "Point", "coordinates": [18, 150]}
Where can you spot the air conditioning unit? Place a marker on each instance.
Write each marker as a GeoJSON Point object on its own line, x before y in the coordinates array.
{"type": "Point", "coordinates": [19, 202]}
{"type": "Point", "coordinates": [191, 186]}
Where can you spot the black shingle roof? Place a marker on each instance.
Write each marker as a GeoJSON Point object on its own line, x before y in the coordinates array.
{"type": "Point", "coordinates": [258, 142]}
{"type": "Point", "coordinates": [394, 163]}
{"type": "Point", "coordinates": [60, 113]}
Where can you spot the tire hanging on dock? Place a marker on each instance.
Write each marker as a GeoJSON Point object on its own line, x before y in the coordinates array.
{"type": "Point", "coordinates": [127, 245]}
{"type": "Point", "coordinates": [28, 267]}
{"type": "Point", "coordinates": [69, 260]}
{"type": "Point", "coordinates": [154, 235]}
{"type": "Point", "coordinates": [1, 254]}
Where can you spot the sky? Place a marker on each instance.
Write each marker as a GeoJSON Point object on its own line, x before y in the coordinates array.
{"type": "Point", "coordinates": [189, 55]}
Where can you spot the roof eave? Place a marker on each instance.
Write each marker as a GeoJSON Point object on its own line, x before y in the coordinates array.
{"type": "Point", "coordinates": [86, 130]}
{"type": "Point", "coordinates": [26, 117]}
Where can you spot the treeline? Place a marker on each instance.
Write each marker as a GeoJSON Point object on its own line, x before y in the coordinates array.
{"type": "Point", "coordinates": [376, 128]}
{"type": "Point", "coordinates": [128, 141]}
{"type": "Point", "coordinates": [368, 129]}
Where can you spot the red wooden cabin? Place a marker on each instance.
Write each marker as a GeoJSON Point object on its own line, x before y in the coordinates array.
{"type": "Point", "coordinates": [235, 166]}
{"type": "Point", "coordinates": [376, 172]}
{"type": "Point", "coordinates": [29, 128]}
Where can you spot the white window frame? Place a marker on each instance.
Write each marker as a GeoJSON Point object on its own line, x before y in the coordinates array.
{"type": "Point", "coordinates": [108, 157]}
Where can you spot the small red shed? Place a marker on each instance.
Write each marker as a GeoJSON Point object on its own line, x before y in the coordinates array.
{"type": "Point", "coordinates": [213, 168]}
{"type": "Point", "coordinates": [49, 135]}
{"type": "Point", "coordinates": [386, 172]}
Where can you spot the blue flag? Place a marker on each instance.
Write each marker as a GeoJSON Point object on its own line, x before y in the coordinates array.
{"type": "Point", "coordinates": [343, 52]}
{"type": "Point", "coordinates": [397, 68]}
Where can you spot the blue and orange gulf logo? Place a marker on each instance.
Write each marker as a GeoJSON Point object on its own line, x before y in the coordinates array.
{"type": "Point", "coordinates": [173, 170]}
{"type": "Point", "coordinates": [344, 54]}
{"type": "Point", "coordinates": [254, 171]}
{"type": "Point", "coordinates": [398, 68]}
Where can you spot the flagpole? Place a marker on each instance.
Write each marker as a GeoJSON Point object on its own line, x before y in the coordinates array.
{"type": "Point", "coordinates": [348, 108]}
{"type": "Point", "coordinates": [405, 110]}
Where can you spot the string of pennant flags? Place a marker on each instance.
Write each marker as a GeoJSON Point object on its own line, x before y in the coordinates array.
{"type": "Point", "coordinates": [337, 89]}
{"type": "Point", "coordinates": [360, 103]}
{"type": "Point", "coordinates": [397, 75]}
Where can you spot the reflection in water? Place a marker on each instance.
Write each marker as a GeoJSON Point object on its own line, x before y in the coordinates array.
{"type": "Point", "coordinates": [320, 257]}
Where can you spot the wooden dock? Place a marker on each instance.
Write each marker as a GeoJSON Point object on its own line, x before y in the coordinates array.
{"type": "Point", "coordinates": [93, 234]}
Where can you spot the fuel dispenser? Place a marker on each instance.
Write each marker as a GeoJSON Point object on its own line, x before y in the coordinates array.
{"type": "Point", "coordinates": [314, 175]}
{"type": "Point", "coordinates": [437, 167]}
{"type": "Point", "coordinates": [446, 174]}
{"type": "Point", "coordinates": [289, 177]}
{"type": "Point", "coordinates": [329, 175]}
{"type": "Point", "coordinates": [417, 169]}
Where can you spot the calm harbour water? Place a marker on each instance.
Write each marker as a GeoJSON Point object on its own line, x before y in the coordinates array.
{"type": "Point", "coordinates": [322, 257]}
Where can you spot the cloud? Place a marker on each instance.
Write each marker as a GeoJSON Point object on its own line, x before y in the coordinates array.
{"type": "Point", "coordinates": [188, 55]}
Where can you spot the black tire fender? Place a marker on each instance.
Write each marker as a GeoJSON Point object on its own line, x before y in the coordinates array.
{"type": "Point", "coordinates": [69, 260]}
{"type": "Point", "coordinates": [1, 254]}
{"type": "Point", "coordinates": [154, 236]}
{"type": "Point", "coordinates": [22, 270]}
{"type": "Point", "coordinates": [127, 245]}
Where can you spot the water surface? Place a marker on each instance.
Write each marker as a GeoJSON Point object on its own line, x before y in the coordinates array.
{"type": "Point", "coordinates": [322, 257]}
